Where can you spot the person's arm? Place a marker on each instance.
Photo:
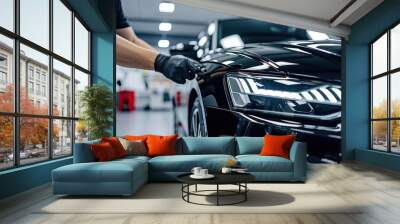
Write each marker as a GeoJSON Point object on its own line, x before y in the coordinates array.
{"type": "Point", "coordinates": [177, 68]}
{"type": "Point", "coordinates": [129, 34]}
{"type": "Point", "coordinates": [135, 53]}
{"type": "Point", "coordinates": [132, 55]}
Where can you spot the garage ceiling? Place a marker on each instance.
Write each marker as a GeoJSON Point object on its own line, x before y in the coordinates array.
{"type": "Point", "coordinates": [187, 21]}
{"type": "Point", "coordinates": [329, 16]}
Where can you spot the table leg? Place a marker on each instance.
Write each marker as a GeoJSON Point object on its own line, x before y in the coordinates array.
{"type": "Point", "coordinates": [245, 193]}
{"type": "Point", "coordinates": [188, 189]}
{"type": "Point", "coordinates": [195, 188]}
{"type": "Point", "coordinates": [217, 194]}
{"type": "Point", "coordinates": [182, 190]}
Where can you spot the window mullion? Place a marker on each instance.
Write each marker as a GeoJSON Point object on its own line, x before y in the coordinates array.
{"type": "Point", "coordinates": [50, 81]}
{"type": "Point", "coordinates": [389, 105]}
{"type": "Point", "coordinates": [16, 85]}
{"type": "Point", "coordinates": [73, 82]}
{"type": "Point", "coordinates": [372, 78]}
{"type": "Point", "coordinates": [18, 73]}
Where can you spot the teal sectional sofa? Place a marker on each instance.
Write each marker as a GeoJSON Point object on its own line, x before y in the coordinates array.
{"type": "Point", "coordinates": [125, 176]}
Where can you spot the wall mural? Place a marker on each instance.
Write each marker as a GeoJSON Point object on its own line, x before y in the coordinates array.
{"type": "Point", "coordinates": [263, 78]}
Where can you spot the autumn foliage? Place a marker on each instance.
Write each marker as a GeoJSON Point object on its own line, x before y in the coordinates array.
{"type": "Point", "coordinates": [33, 131]}
{"type": "Point", "coordinates": [380, 127]}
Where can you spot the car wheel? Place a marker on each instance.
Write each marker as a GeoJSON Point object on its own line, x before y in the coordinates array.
{"type": "Point", "coordinates": [197, 127]}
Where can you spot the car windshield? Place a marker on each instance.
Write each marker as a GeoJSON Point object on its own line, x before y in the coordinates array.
{"type": "Point", "coordinates": [236, 32]}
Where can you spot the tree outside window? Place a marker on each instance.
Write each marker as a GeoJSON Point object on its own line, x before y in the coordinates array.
{"type": "Point", "coordinates": [385, 96]}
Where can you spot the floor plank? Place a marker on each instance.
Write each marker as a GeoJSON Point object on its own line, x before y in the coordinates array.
{"type": "Point", "coordinates": [378, 189]}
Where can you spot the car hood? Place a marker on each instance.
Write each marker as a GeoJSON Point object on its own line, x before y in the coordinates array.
{"type": "Point", "coordinates": [289, 58]}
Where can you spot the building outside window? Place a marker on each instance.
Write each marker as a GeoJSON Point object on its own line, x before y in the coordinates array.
{"type": "Point", "coordinates": [30, 87]}
{"type": "Point", "coordinates": [30, 72]}
{"type": "Point", "coordinates": [385, 94]}
{"type": "Point", "coordinates": [37, 74]}
{"type": "Point", "coordinates": [3, 61]}
{"type": "Point", "coordinates": [55, 97]}
{"type": "Point", "coordinates": [44, 77]}
{"type": "Point", "coordinates": [43, 90]}
{"type": "Point", "coordinates": [3, 72]}
{"type": "Point", "coordinates": [3, 78]}
{"type": "Point", "coordinates": [38, 89]}
{"type": "Point", "coordinates": [3, 81]}
{"type": "Point", "coordinates": [57, 129]}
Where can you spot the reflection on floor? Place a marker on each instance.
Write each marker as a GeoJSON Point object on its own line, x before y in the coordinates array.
{"type": "Point", "coordinates": [145, 122]}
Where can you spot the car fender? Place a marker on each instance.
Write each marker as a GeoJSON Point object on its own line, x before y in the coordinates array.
{"type": "Point", "coordinates": [193, 85]}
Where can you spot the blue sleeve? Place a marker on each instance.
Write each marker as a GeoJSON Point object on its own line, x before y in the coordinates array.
{"type": "Point", "coordinates": [122, 22]}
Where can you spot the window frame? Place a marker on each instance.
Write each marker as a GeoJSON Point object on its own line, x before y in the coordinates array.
{"type": "Point", "coordinates": [388, 74]}
{"type": "Point", "coordinates": [16, 114]}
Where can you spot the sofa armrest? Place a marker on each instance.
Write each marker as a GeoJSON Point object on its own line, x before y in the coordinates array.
{"type": "Point", "coordinates": [83, 152]}
{"type": "Point", "coordinates": [298, 155]}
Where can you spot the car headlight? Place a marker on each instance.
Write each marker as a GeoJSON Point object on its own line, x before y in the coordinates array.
{"type": "Point", "coordinates": [280, 94]}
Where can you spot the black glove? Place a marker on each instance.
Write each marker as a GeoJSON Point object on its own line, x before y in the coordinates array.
{"type": "Point", "coordinates": [119, 83]}
{"type": "Point", "coordinates": [177, 68]}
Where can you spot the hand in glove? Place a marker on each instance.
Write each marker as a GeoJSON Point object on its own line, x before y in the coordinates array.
{"type": "Point", "coordinates": [177, 68]}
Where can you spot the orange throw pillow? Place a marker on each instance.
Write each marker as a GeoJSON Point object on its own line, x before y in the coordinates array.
{"type": "Point", "coordinates": [103, 152]}
{"type": "Point", "coordinates": [277, 145]}
{"type": "Point", "coordinates": [116, 145]}
{"type": "Point", "coordinates": [136, 137]}
{"type": "Point", "coordinates": [161, 145]}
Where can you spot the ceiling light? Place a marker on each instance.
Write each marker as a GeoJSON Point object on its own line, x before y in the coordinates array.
{"type": "Point", "coordinates": [163, 43]}
{"type": "Point", "coordinates": [165, 27]}
{"type": "Point", "coordinates": [200, 53]}
{"type": "Point", "coordinates": [211, 29]}
{"type": "Point", "coordinates": [232, 41]}
{"type": "Point", "coordinates": [317, 35]}
{"type": "Point", "coordinates": [180, 46]}
{"type": "Point", "coordinates": [203, 41]}
{"type": "Point", "coordinates": [166, 7]}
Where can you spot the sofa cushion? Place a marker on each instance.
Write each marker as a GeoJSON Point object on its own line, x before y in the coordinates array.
{"type": "Point", "coordinates": [116, 145]}
{"type": "Point", "coordinates": [103, 152]}
{"type": "Point", "coordinates": [249, 145]}
{"type": "Point", "coordinates": [94, 172]}
{"type": "Point", "coordinates": [136, 137]}
{"type": "Point", "coordinates": [185, 163]}
{"type": "Point", "coordinates": [206, 145]}
{"type": "Point", "coordinates": [161, 145]}
{"type": "Point", "coordinates": [136, 147]}
{"type": "Point", "coordinates": [131, 158]}
{"type": "Point", "coordinates": [257, 163]}
{"type": "Point", "coordinates": [116, 170]}
{"type": "Point", "coordinates": [277, 145]}
{"type": "Point", "coordinates": [83, 152]}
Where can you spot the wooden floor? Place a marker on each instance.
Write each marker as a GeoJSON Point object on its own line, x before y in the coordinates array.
{"type": "Point", "coordinates": [377, 188]}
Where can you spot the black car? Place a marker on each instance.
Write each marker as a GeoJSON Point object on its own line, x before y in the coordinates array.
{"type": "Point", "coordinates": [276, 88]}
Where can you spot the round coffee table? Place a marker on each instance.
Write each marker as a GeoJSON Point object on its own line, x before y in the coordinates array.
{"type": "Point", "coordinates": [238, 179]}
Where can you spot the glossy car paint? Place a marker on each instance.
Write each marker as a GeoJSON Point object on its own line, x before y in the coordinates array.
{"type": "Point", "coordinates": [297, 63]}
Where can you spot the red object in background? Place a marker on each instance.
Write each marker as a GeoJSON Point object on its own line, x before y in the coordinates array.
{"type": "Point", "coordinates": [178, 98]}
{"type": "Point", "coordinates": [126, 100]}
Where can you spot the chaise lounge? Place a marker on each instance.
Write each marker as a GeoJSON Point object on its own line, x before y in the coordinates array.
{"type": "Point", "coordinates": [125, 176]}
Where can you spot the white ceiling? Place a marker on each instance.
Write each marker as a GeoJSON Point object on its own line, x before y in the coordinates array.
{"type": "Point", "coordinates": [187, 21]}
{"type": "Point", "coordinates": [319, 8]}
{"type": "Point", "coordinates": [329, 16]}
